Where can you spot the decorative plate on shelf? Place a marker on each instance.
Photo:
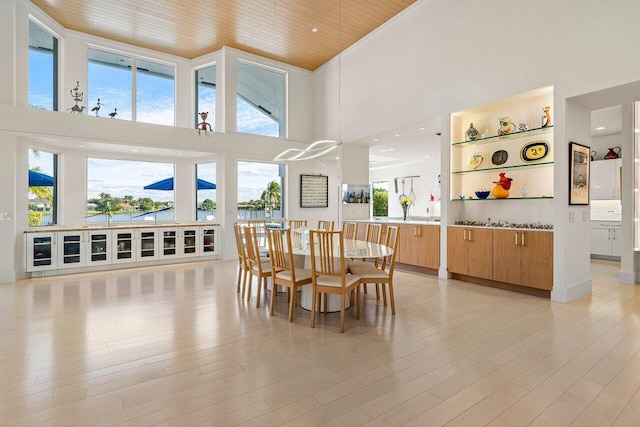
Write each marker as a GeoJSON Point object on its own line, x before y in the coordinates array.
{"type": "Point", "coordinates": [533, 151]}
{"type": "Point", "coordinates": [475, 161]}
{"type": "Point", "coordinates": [499, 157]}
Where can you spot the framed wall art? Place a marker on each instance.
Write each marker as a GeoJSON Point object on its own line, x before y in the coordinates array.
{"type": "Point", "coordinates": [314, 191]}
{"type": "Point", "coordinates": [579, 165]}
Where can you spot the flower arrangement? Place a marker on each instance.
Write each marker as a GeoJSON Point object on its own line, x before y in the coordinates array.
{"type": "Point", "coordinates": [405, 202]}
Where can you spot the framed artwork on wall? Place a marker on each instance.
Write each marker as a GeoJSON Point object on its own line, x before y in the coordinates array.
{"type": "Point", "coordinates": [314, 191]}
{"type": "Point", "coordinates": [579, 165]}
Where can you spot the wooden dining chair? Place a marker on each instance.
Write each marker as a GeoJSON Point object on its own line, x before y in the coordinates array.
{"type": "Point", "coordinates": [243, 266]}
{"type": "Point", "coordinates": [350, 230]}
{"type": "Point", "coordinates": [257, 266]}
{"type": "Point", "coordinates": [373, 235]}
{"type": "Point", "coordinates": [283, 270]}
{"type": "Point", "coordinates": [296, 236]}
{"type": "Point", "coordinates": [325, 225]}
{"type": "Point", "coordinates": [382, 273]}
{"type": "Point", "coordinates": [329, 272]}
{"type": "Point", "coordinates": [261, 228]}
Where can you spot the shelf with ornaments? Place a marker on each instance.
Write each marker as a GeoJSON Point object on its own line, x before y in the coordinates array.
{"type": "Point", "coordinates": [498, 137]}
{"type": "Point", "coordinates": [358, 194]}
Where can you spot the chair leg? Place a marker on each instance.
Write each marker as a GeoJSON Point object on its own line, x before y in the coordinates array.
{"type": "Point", "coordinates": [313, 309]}
{"type": "Point", "coordinates": [343, 298]}
{"type": "Point", "coordinates": [292, 302]}
{"type": "Point", "coordinates": [358, 303]}
{"type": "Point", "coordinates": [384, 292]}
{"type": "Point", "coordinates": [364, 287]}
{"type": "Point", "coordinates": [326, 303]}
{"type": "Point", "coordinates": [239, 276]}
{"type": "Point", "coordinates": [273, 300]}
{"type": "Point", "coordinates": [377, 291]}
{"type": "Point", "coordinates": [392, 299]}
{"type": "Point", "coordinates": [259, 286]}
{"type": "Point", "coordinates": [249, 282]}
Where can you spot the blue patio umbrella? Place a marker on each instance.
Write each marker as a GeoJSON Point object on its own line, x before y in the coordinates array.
{"type": "Point", "coordinates": [167, 185]}
{"type": "Point", "coordinates": [38, 179]}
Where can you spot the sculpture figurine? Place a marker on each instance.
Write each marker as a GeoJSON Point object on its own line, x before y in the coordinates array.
{"type": "Point", "coordinates": [546, 118]}
{"type": "Point", "coordinates": [114, 113]}
{"type": "Point", "coordinates": [97, 107]}
{"type": "Point", "coordinates": [203, 125]}
{"type": "Point", "coordinates": [77, 97]}
{"type": "Point", "coordinates": [501, 189]}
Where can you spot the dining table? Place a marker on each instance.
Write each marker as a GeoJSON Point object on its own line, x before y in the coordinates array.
{"type": "Point", "coordinates": [353, 249]}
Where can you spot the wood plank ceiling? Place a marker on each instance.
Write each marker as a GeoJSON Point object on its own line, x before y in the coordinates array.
{"type": "Point", "coordinates": [277, 29]}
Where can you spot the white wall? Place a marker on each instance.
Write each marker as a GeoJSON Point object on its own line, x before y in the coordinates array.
{"type": "Point", "coordinates": [443, 56]}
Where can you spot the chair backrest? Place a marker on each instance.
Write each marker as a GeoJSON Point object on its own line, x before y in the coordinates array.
{"type": "Point", "coordinates": [297, 223]}
{"type": "Point", "coordinates": [350, 230]}
{"type": "Point", "coordinates": [253, 249]}
{"type": "Point", "coordinates": [240, 246]}
{"type": "Point", "coordinates": [325, 225]}
{"type": "Point", "coordinates": [374, 232]}
{"type": "Point", "coordinates": [280, 250]}
{"type": "Point", "coordinates": [327, 247]}
{"type": "Point", "coordinates": [388, 263]}
{"type": "Point", "coordinates": [261, 229]}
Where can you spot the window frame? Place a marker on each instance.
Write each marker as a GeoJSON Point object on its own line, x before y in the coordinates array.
{"type": "Point", "coordinates": [56, 61]}
{"type": "Point", "coordinates": [134, 71]}
{"type": "Point", "coordinates": [197, 98]}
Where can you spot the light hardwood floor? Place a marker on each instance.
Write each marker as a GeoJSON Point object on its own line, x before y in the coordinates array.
{"type": "Point", "coordinates": [177, 346]}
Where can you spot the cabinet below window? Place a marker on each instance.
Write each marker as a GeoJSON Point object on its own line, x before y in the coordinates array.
{"type": "Point", "coordinates": [78, 248]}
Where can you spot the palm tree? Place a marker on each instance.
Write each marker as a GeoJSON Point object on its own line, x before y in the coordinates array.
{"type": "Point", "coordinates": [272, 196]}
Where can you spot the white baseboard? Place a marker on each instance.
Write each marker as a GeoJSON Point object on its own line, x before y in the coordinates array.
{"type": "Point", "coordinates": [629, 277]}
{"type": "Point", "coordinates": [572, 292]}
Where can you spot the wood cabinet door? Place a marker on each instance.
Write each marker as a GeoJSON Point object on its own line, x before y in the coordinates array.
{"type": "Point", "coordinates": [406, 251]}
{"type": "Point", "coordinates": [537, 259]}
{"type": "Point", "coordinates": [480, 242]}
{"type": "Point", "coordinates": [457, 251]}
{"type": "Point", "coordinates": [430, 246]}
{"type": "Point", "coordinates": [506, 256]}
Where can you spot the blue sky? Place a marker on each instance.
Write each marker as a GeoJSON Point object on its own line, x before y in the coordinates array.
{"type": "Point", "coordinates": [155, 104]}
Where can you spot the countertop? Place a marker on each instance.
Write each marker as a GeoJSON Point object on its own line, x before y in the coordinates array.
{"type": "Point", "coordinates": [56, 228]}
{"type": "Point", "coordinates": [399, 221]}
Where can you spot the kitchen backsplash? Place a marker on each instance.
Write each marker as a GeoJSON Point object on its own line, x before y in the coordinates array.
{"type": "Point", "coordinates": [606, 210]}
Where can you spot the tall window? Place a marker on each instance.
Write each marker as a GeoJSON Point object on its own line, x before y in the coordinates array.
{"type": "Point", "coordinates": [112, 86]}
{"type": "Point", "coordinates": [380, 198]}
{"type": "Point", "coordinates": [206, 95]}
{"type": "Point", "coordinates": [155, 93]}
{"type": "Point", "coordinates": [260, 101]}
{"type": "Point", "coordinates": [109, 84]}
{"type": "Point", "coordinates": [43, 186]}
{"type": "Point", "coordinates": [126, 190]}
{"type": "Point", "coordinates": [43, 68]}
{"type": "Point", "coordinates": [206, 191]}
{"type": "Point", "coordinates": [260, 190]}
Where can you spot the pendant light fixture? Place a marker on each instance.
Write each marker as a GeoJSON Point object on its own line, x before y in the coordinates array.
{"type": "Point", "coordinates": [322, 146]}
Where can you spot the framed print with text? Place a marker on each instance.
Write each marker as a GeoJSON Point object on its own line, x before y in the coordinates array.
{"type": "Point", "coordinates": [579, 165]}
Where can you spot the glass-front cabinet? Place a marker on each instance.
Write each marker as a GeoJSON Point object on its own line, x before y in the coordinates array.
{"type": "Point", "coordinates": [98, 247]}
{"type": "Point", "coordinates": [169, 243]}
{"type": "Point", "coordinates": [208, 239]}
{"type": "Point", "coordinates": [148, 244]}
{"type": "Point", "coordinates": [189, 241]}
{"type": "Point", "coordinates": [124, 246]}
{"type": "Point", "coordinates": [41, 251]}
{"type": "Point", "coordinates": [71, 249]}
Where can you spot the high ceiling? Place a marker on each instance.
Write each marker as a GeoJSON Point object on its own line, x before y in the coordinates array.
{"type": "Point", "coordinates": [276, 29]}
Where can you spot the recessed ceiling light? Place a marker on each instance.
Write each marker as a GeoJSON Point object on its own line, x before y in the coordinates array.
{"type": "Point", "coordinates": [376, 140]}
{"type": "Point", "coordinates": [314, 30]}
{"type": "Point", "coordinates": [134, 150]}
{"type": "Point", "coordinates": [337, 158]}
{"type": "Point", "coordinates": [426, 157]}
{"type": "Point", "coordinates": [81, 145]}
{"type": "Point", "coordinates": [600, 128]}
{"type": "Point", "coordinates": [397, 134]}
{"type": "Point", "coordinates": [421, 128]}
{"type": "Point", "coordinates": [387, 149]}
{"type": "Point", "coordinates": [179, 154]}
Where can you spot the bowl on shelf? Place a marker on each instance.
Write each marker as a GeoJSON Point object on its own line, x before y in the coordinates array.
{"type": "Point", "coordinates": [483, 194]}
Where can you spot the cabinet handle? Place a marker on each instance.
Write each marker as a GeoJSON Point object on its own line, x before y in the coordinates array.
{"type": "Point", "coordinates": [516, 239]}
{"type": "Point", "coordinates": [614, 234]}
{"type": "Point", "coordinates": [464, 234]}
{"type": "Point", "coordinates": [522, 242]}
{"type": "Point", "coordinates": [470, 239]}
{"type": "Point", "coordinates": [609, 238]}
